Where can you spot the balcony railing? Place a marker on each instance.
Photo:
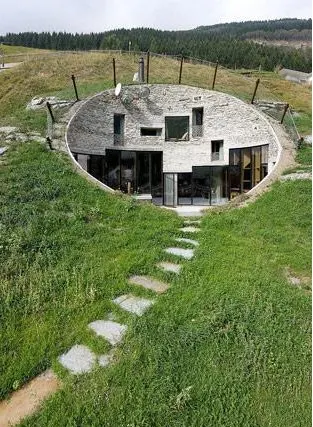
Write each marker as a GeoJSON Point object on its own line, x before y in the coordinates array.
{"type": "Point", "coordinates": [219, 155]}
{"type": "Point", "coordinates": [197, 131]}
{"type": "Point", "coordinates": [118, 139]}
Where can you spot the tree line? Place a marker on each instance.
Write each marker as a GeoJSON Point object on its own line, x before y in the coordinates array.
{"type": "Point", "coordinates": [226, 43]}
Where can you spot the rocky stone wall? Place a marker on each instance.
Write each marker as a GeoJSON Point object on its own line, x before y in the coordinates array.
{"type": "Point", "coordinates": [225, 118]}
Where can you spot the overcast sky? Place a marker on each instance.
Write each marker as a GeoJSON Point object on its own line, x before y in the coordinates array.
{"type": "Point", "coordinates": [101, 15]}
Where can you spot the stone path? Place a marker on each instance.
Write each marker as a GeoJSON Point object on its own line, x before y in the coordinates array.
{"type": "Point", "coordinates": [185, 240]}
{"type": "Point", "coordinates": [169, 266]}
{"type": "Point", "coordinates": [184, 253]}
{"type": "Point", "coordinates": [113, 332]}
{"type": "Point", "coordinates": [190, 229]}
{"type": "Point", "coordinates": [79, 359]}
{"type": "Point", "coordinates": [133, 304]}
{"type": "Point", "coordinates": [148, 283]}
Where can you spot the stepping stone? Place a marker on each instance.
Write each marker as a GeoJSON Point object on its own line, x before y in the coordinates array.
{"type": "Point", "coordinates": [111, 331]}
{"type": "Point", "coordinates": [79, 359]}
{"type": "Point", "coordinates": [183, 239]}
{"type": "Point", "coordinates": [3, 150]}
{"type": "Point", "coordinates": [148, 283]}
{"type": "Point", "coordinates": [192, 221]}
{"type": "Point", "coordinates": [168, 266]}
{"type": "Point", "coordinates": [133, 304]}
{"type": "Point", "coordinates": [190, 229]}
{"type": "Point", "coordinates": [185, 253]}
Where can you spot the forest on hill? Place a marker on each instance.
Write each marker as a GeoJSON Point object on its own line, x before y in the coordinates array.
{"type": "Point", "coordinates": [231, 44]}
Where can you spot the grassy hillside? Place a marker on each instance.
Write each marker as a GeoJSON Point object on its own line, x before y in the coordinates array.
{"type": "Point", "coordinates": [227, 345]}
{"type": "Point", "coordinates": [51, 75]}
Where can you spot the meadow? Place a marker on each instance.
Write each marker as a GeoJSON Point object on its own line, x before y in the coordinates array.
{"type": "Point", "coordinates": [229, 344]}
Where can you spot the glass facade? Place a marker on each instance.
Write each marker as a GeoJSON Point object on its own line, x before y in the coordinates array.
{"type": "Point", "coordinates": [141, 172]}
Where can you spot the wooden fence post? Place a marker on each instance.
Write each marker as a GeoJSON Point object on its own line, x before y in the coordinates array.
{"type": "Point", "coordinates": [50, 111]}
{"type": "Point", "coordinates": [284, 113]}
{"type": "Point", "coordinates": [114, 73]}
{"type": "Point", "coordinates": [75, 87]}
{"type": "Point", "coordinates": [255, 89]}
{"type": "Point", "coordinates": [214, 78]}
{"type": "Point", "coordinates": [148, 66]}
{"type": "Point", "coordinates": [181, 69]}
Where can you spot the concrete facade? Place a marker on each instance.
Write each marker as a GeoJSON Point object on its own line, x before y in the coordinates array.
{"type": "Point", "coordinates": [226, 118]}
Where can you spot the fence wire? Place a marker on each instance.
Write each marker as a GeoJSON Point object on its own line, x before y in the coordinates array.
{"type": "Point", "coordinates": [239, 83]}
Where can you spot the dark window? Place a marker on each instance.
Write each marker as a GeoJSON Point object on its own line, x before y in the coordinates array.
{"type": "Point", "coordinates": [150, 131]}
{"type": "Point", "coordinates": [184, 192]}
{"type": "Point", "coordinates": [177, 128]}
{"type": "Point", "coordinates": [119, 121]}
{"type": "Point", "coordinates": [217, 150]}
{"type": "Point", "coordinates": [113, 169]}
{"type": "Point", "coordinates": [197, 122]}
{"type": "Point", "coordinates": [96, 167]}
{"type": "Point", "coordinates": [234, 156]}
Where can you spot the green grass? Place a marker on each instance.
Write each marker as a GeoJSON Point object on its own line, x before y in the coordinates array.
{"type": "Point", "coordinates": [51, 75]}
{"type": "Point", "coordinates": [227, 345]}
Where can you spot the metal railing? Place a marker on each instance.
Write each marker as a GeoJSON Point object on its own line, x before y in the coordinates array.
{"type": "Point", "coordinates": [197, 131]}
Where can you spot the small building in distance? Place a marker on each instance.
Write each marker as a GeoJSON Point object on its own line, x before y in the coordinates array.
{"type": "Point", "coordinates": [296, 76]}
{"type": "Point", "coordinates": [176, 144]}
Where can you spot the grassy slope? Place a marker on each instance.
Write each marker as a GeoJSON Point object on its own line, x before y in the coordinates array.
{"type": "Point", "coordinates": [231, 327]}
{"type": "Point", "coordinates": [228, 345]}
{"type": "Point", "coordinates": [51, 75]}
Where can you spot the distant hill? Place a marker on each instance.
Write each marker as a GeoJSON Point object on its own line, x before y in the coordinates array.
{"type": "Point", "coordinates": [250, 44]}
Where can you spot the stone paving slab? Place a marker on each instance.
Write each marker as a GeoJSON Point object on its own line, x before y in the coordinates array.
{"type": "Point", "coordinates": [111, 331]}
{"type": "Point", "coordinates": [192, 221]}
{"type": "Point", "coordinates": [183, 239]}
{"type": "Point", "coordinates": [190, 229]}
{"type": "Point", "coordinates": [135, 305]}
{"type": "Point", "coordinates": [79, 359]}
{"type": "Point", "coordinates": [169, 266]}
{"type": "Point", "coordinates": [149, 283]}
{"type": "Point", "coordinates": [185, 253]}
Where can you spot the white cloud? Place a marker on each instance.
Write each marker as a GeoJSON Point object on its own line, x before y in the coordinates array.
{"type": "Point", "coordinates": [101, 15]}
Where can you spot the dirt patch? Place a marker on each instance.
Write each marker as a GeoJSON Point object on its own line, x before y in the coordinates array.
{"type": "Point", "coordinates": [27, 400]}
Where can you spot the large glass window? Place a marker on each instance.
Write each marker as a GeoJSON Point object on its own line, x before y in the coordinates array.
{"type": "Point", "coordinates": [184, 188]}
{"type": "Point", "coordinates": [201, 185]}
{"type": "Point", "coordinates": [170, 180]}
{"type": "Point", "coordinates": [218, 185]}
{"type": "Point", "coordinates": [177, 128]}
{"type": "Point", "coordinates": [96, 167]}
{"type": "Point", "coordinates": [143, 173]}
{"type": "Point", "coordinates": [256, 163]}
{"type": "Point", "coordinates": [128, 161]}
{"type": "Point", "coordinates": [246, 169]}
{"type": "Point", "coordinates": [113, 169]}
{"type": "Point", "coordinates": [217, 150]}
{"type": "Point", "coordinates": [156, 176]}
{"type": "Point", "coordinates": [119, 120]}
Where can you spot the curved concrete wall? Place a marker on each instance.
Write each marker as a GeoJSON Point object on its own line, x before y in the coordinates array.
{"type": "Point", "coordinates": [225, 118]}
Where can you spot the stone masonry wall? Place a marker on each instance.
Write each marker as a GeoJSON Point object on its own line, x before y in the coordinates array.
{"type": "Point", "coordinates": [225, 118]}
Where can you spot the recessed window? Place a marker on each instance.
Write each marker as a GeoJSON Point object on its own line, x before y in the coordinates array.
{"type": "Point", "coordinates": [177, 128]}
{"type": "Point", "coordinates": [150, 131]}
{"type": "Point", "coordinates": [197, 122]}
{"type": "Point", "coordinates": [217, 150]}
{"type": "Point", "coordinates": [119, 122]}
